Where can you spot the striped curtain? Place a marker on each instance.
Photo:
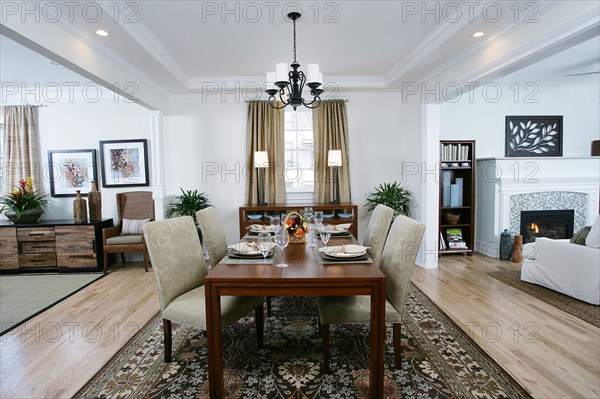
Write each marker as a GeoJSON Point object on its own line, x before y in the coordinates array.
{"type": "Point", "coordinates": [20, 146]}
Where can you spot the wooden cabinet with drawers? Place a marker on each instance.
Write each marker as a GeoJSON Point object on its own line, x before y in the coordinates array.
{"type": "Point", "coordinates": [52, 245]}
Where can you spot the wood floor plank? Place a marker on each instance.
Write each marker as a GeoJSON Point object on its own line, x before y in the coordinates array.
{"type": "Point", "coordinates": [551, 353]}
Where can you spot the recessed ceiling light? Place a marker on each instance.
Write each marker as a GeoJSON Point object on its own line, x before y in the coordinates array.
{"type": "Point", "coordinates": [53, 63]}
{"type": "Point", "coordinates": [478, 34]}
{"type": "Point", "coordinates": [101, 32]}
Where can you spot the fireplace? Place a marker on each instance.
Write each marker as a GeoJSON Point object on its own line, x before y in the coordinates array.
{"type": "Point", "coordinates": [552, 224]}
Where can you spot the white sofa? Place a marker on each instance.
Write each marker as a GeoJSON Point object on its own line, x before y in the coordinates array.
{"type": "Point", "coordinates": [571, 269]}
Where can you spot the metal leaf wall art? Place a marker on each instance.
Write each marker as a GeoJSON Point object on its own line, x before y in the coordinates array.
{"type": "Point", "coordinates": [533, 136]}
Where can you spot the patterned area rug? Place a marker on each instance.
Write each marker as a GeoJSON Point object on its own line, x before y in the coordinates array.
{"type": "Point", "coordinates": [582, 310]}
{"type": "Point", "coordinates": [438, 360]}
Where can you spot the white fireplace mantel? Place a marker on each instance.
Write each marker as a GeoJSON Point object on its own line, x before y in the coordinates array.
{"type": "Point", "coordinates": [498, 179]}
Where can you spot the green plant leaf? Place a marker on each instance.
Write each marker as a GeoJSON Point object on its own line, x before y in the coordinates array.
{"type": "Point", "coordinates": [187, 204]}
{"type": "Point", "coordinates": [390, 194]}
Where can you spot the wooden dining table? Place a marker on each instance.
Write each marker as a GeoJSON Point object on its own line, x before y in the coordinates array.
{"type": "Point", "coordinates": [305, 276]}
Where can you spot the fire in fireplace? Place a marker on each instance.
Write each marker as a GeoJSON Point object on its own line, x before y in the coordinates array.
{"type": "Point", "coordinates": [552, 224]}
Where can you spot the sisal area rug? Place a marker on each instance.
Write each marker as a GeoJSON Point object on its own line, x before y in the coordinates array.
{"type": "Point", "coordinates": [438, 360]}
{"type": "Point", "coordinates": [582, 310]}
{"type": "Point", "coordinates": [24, 296]}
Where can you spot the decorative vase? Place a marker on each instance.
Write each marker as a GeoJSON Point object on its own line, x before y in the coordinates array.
{"type": "Point", "coordinates": [25, 217]}
{"type": "Point", "coordinates": [506, 244]}
{"type": "Point", "coordinates": [95, 202]}
{"type": "Point", "coordinates": [79, 209]}
{"type": "Point", "coordinates": [517, 250]}
{"type": "Point", "coordinates": [296, 237]}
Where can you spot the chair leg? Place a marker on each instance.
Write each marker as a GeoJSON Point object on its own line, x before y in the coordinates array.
{"type": "Point", "coordinates": [259, 319]}
{"type": "Point", "coordinates": [268, 306]}
{"type": "Point", "coordinates": [167, 339]}
{"type": "Point", "coordinates": [105, 261]}
{"type": "Point", "coordinates": [325, 336]}
{"type": "Point", "coordinates": [123, 257]}
{"type": "Point", "coordinates": [146, 260]}
{"type": "Point", "coordinates": [396, 336]}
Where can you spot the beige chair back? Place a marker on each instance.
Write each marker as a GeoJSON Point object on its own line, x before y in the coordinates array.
{"type": "Point", "coordinates": [213, 235]}
{"type": "Point", "coordinates": [377, 231]}
{"type": "Point", "coordinates": [176, 257]}
{"type": "Point", "coordinates": [398, 258]}
{"type": "Point", "coordinates": [135, 205]}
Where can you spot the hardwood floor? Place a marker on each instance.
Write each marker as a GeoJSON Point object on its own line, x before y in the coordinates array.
{"type": "Point", "coordinates": [555, 355]}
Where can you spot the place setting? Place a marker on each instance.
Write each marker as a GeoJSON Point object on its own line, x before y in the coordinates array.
{"type": "Point", "coordinates": [251, 252]}
{"type": "Point", "coordinates": [349, 253]}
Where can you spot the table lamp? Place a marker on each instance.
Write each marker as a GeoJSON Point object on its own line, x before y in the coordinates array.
{"type": "Point", "coordinates": [334, 160]}
{"type": "Point", "coordinates": [261, 161]}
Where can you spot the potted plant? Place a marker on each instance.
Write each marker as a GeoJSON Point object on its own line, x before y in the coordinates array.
{"type": "Point", "coordinates": [24, 204]}
{"type": "Point", "coordinates": [390, 194]}
{"type": "Point", "coordinates": [188, 204]}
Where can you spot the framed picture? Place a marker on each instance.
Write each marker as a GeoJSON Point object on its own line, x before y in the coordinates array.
{"type": "Point", "coordinates": [71, 170]}
{"type": "Point", "coordinates": [533, 136]}
{"type": "Point", "coordinates": [124, 163]}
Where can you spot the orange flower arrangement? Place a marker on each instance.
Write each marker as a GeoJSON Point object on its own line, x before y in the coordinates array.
{"type": "Point", "coordinates": [296, 226]}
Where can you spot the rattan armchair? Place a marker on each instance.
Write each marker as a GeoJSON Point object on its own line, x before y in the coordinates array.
{"type": "Point", "coordinates": [135, 205]}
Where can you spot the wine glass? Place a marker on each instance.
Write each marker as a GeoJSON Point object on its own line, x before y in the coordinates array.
{"type": "Point", "coordinates": [325, 233]}
{"type": "Point", "coordinates": [311, 237]}
{"type": "Point", "coordinates": [282, 239]}
{"type": "Point", "coordinates": [318, 218]}
{"type": "Point", "coordinates": [308, 212]}
{"type": "Point", "coordinates": [275, 223]}
{"type": "Point", "coordinates": [264, 244]}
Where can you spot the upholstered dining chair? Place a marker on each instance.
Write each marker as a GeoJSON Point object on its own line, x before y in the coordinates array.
{"type": "Point", "coordinates": [377, 231]}
{"type": "Point", "coordinates": [179, 270]}
{"type": "Point", "coordinates": [213, 235]}
{"type": "Point", "coordinates": [134, 209]}
{"type": "Point", "coordinates": [397, 261]}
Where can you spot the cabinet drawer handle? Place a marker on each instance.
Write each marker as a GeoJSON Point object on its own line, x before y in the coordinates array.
{"type": "Point", "coordinates": [37, 234]}
{"type": "Point", "coordinates": [93, 245]}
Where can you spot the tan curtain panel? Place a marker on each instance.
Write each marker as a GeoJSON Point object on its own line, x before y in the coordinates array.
{"type": "Point", "coordinates": [20, 146]}
{"type": "Point", "coordinates": [265, 132]}
{"type": "Point", "coordinates": [330, 124]}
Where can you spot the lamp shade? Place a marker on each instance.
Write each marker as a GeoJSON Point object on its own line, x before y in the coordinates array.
{"type": "Point", "coordinates": [261, 159]}
{"type": "Point", "coordinates": [334, 158]}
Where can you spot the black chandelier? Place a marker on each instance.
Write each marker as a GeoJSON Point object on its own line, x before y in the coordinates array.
{"type": "Point", "coordinates": [295, 80]}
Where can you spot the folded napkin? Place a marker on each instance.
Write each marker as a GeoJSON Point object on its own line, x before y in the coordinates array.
{"type": "Point", "coordinates": [339, 228]}
{"type": "Point", "coordinates": [257, 228]}
{"type": "Point", "coordinates": [349, 249]}
{"type": "Point", "coordinates": [247, 247]}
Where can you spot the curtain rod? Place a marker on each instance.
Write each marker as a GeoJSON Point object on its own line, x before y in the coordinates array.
{"type": "Point", "coordinates": [30, 105]}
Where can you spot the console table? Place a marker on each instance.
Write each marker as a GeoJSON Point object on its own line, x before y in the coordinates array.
{"type": "Point", "coordinates": [52, 245]}
{"type": "Point", "coordinates": [333, 214]}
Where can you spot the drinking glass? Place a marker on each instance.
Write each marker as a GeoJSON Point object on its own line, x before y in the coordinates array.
{"type": "Point", "coordinates": [325, 233]}
{"type": "Point", "coordinates": [264, 244]}
{"type": "Point", "coordinates": [275, 223]}
{"type": "Point", "coordinates": [311, 237]}
{"type": "Point", "coordinates": [308, 212]}
{"type": "Point", "coordinates": [282, 239]}
{"type": "Point", "coordinates": [318, 218]}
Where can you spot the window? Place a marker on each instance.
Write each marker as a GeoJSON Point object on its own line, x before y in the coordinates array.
{"type": "Point", "coordinates": [1, 141]}
{"type": "Point", "coordinates": [299, 155]}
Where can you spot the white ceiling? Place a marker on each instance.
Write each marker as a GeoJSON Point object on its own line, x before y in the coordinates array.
{"type": "Point", "coordinates": [360, 45]}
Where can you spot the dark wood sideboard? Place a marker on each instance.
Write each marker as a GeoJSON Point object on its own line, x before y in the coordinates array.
{"type": "Point", "coordinates": [337, 214]}
{"type": "Point", "coordinates": [52, 246]}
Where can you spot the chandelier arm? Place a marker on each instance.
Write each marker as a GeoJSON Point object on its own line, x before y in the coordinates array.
{"type": "Point", "coordinates": [272, 100]}
{"type": "Point", "coordinates": [316, 100]}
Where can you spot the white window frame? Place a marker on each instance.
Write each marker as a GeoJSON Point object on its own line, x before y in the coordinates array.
{"type": "Point", "coordinates": [302, 195]}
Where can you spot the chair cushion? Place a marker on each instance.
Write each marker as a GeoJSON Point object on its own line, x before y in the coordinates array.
{"type": "Point", "coordinates": [133, 226]}
{"type": "Point", "coordinates": [190, 308]}
{"type": "Point", "coordinates": [125, 240]}
{"type": "Point", "coordinates": [351, 310]}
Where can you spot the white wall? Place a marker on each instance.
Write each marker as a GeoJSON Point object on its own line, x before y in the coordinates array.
{"type": "Point", "coordinates": [483, 120]}
{"type": "Point", "coordinates": [78, 124]}
{"type": "Point", "coordinates": [205, 149]}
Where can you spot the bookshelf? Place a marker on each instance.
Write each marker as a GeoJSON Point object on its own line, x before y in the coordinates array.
{"type": "Point", "coordinates": [457, 197]}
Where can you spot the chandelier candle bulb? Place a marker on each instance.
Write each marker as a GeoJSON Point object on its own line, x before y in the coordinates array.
{"type": "Point", "coordinates": [313, 73]}
{"type": "Point", "coordinates": [281, 72]}
{"type": "Point", "coordinates": [270, 80]}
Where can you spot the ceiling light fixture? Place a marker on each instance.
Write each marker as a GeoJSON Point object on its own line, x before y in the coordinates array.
{"type": "Point", "coordinates": [294, 80]}
{"type": "Point", "coordinates": [478, 34]}
{"type": "Point", "coordinates": [102, 32]}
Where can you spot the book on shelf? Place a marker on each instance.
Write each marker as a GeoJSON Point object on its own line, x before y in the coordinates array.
{"type": "Point", "coordinates": [455, 238]}
{"type": "Point", "coordinates": [442, 241]}
{"type": "Point", "coordinates": [455, 152]}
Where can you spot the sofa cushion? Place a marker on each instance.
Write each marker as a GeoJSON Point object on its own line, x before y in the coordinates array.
{"type": "Point", "coordinates": [580, 236]}
{"type": "Point", "coordinates": [133, 226]}
{"type": "Point", "coordinates": [593, 237]}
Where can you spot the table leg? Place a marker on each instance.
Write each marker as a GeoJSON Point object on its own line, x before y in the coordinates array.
{"type": "Point", "coordinates": [377, 341]}
{"type": "Point", "coordinates": [214, 341]}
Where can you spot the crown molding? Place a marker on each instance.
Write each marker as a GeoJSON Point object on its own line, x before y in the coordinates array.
{"type": "Point", "coordinates": [434, 40]}
{"type": "Point", "coordinates": [148, 41]}
{"type": "Point", "coordinates": [253, 82]}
